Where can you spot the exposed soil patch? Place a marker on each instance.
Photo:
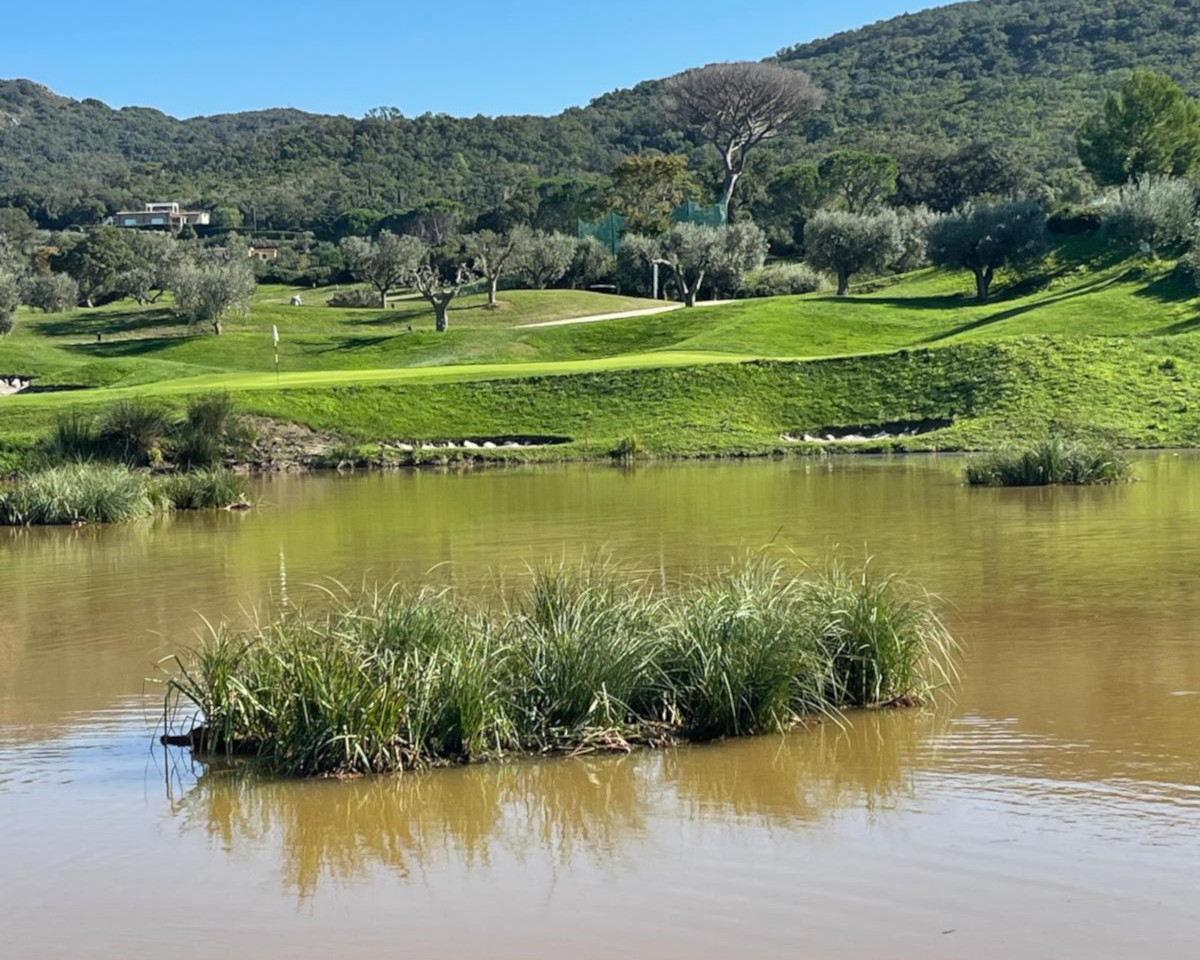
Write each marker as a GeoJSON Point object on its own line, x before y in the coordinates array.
{"type": "Point", "coordinates": [868, 433]}
{"type": "Point", "coordinates": [288, 446]}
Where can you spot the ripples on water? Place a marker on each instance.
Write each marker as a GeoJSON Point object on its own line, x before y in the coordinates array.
{"type": "Point", "coordinates": [1052, 809]}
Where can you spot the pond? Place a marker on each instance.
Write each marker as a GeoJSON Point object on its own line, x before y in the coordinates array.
{"type": "Point", "coordinates": [1053, 809]}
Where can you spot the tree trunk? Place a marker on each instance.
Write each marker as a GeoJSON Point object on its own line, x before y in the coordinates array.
{"type": "Point", "coordinates": [727, 188]}
{"type": "Point", "coordinates": [441, 311]}
{"type": "Point", "coordinates": [382, 298]}
{"type": "Point", "coordinates": [216, 325]}
{"type": "Point", "coordinates": [843, 283]}
{"type": "Point", "coordinates": [983, 284]}
{"type": "Point", "coordinates": [732, 174]}
{"type": "Point", "coordinates": [492, 284]}
{"type": "Point", "coordinates": [689, 296]}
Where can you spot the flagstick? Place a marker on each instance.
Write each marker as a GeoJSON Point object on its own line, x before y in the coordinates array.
{"type": "Point", "coordinates": [275, 337]}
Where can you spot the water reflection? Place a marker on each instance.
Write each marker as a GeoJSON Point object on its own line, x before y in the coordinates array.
{"type": "Point", "coordinates": [561, 810]}
{"type": "Point", "coordinates": [1062, 786]}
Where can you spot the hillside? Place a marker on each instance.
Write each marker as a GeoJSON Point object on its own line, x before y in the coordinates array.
{"type": "Point", "coordinates": [1013, 70]}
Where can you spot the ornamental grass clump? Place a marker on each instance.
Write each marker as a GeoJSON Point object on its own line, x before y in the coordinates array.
{"type": "Point", "coordinates": [78, 493]}
{"type": "Point", "coordinates": [213, 489]}
{"type": "Point", "coordinates": [97, 492]}
{"type": "Point", "coordinates": [582, 659]}
{"type": "Point", "coordinates": [1051, 461]}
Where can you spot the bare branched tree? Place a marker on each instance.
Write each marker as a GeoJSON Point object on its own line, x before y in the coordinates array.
{"type": "Point", "coordinates": [440, 288]}
{"type": "Point", "coordinates": [736, 106]}
{"type": "Point", "coordinates": [490, 254]}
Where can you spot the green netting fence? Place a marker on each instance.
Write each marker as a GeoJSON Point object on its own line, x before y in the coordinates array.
{"type": "Point", "coordinates": [608, 230]}
{"type": "Point", "coordinates": [692, 212]}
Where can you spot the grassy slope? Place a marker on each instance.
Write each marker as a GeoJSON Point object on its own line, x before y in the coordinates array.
{"type": "Point", "coordinates": [1096, 340]}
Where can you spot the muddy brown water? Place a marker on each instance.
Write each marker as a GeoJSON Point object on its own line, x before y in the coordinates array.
{"type": "Point", "coordinates": [1053, 810]}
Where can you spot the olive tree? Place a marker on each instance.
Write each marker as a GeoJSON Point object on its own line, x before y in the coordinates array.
{"type": "Point", "coordinates": [492, 254]}
{"type": "Point", "coordinates": [10, 299]}
{"type": "Point", "coordinates": [210, 287]}
{"type": "Point", "coordinates": [736, 106]}
{"type": "Point", "coordinates": [983, 238]}
{"type": "Point", "coordinates": [915, 224]}
{"type": "Point", "coordinates": [385, 262]}
{"type": "Point", "coordinates": [593, 262]}
{"type": "Point", "coordinates": [849, 243]}
{"type": "Point", "coordinates": [154, 259]}
{"type": "Point", "coordinates": [543, 257]}
{"type": "Point", "coordinates": [1153, 212]}
{"type": "Point", "coordinates": [692, 252]}
{"type": "Point", "coordinates": [439, 283]}
{"type": "Point", "coordinates": [51, 292]}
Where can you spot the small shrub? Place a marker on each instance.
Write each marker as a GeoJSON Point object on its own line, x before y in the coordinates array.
{"type": "Point", "coordinates": [1053, 461]}
{"type": "Point", "coordinates": [782, 280]}
{"type": "Point", "coordinates": [1074, 221]}
{"type": "Point", "coordinates": [211, 429]}
{"type": "Point", "coordinates": [132, 430]}
{"type": "Point", "coordinates": [213, 489]}
{"type": "Point", "coordinates": [342, 455]}
{"type": "Point", "coordinates": [629, 447]}
{"type": "Point", "coordinates": [74, 437]}
{"type": "Point", "coordinates": [1155, 213]}
{"type": "Point", "coordinates": [356, 297]}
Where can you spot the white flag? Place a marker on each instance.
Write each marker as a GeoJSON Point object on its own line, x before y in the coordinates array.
{"type": "Point", "coordinates": [275, 334]}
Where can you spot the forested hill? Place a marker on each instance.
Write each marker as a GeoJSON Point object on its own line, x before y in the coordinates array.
{"type": "Point", "coordinates": [1022, 72]}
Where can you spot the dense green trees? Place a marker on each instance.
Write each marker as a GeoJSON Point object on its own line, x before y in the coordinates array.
{"type": "Point", "coordinates": [861, 181]}
{"type": "Point", "coordinates": [97, 261]}
{"type": "Point", "coordinates": [647, 188]}
{"type": "Point", "coordinates": [1147, 127]}
{"type": "Point", "coordinates": [920, 88]}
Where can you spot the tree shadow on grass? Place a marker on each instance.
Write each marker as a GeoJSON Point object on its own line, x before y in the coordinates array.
{"type": "Point", "coordinates": [1083, 290]}
{"type": "Point", "coordinates": [942, 303]}
{"type": "Point", "coordinates": [412, 314]}
{"type": "Point", "coordinates": [133, 347]}
{"type": "Point", "coordinates": [351, 344]}
{"type": "Point", "coordinates": [111, 322]}
{"type": "Point", "coordinates": [1175, 287]}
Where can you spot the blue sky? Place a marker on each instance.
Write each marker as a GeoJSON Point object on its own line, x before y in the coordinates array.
{"type": "Point", "coordinates": [190, 57]}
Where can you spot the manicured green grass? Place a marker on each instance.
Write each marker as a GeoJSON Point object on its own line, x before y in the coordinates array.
{"type": "Point", "coordinates": [1093, 341]}
{"type": "Point", "coordinates": [584, 658]}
